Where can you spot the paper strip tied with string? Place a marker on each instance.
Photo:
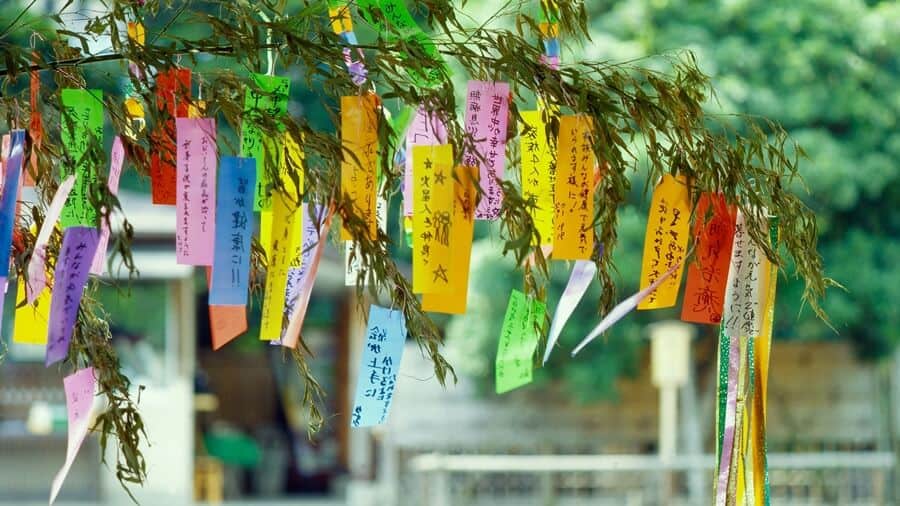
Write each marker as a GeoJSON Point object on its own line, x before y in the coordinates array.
{"type": "Point", "coordinates": [79, 388]}
{"type": "Point", "coordinates": [359, 140]}
{"type": "Point", "coordinates": [461, 232]}
{"type": "Point", "coordinates": [486, 120]}
{"type": "Point", "coordinates": [81, 125]}
{"type": "Point", "coordinates": [265, 100]}
{"type": "Point", "coordinates": [116, 159]}
{"type": "Point", "coordinates": [666, 240]}
{"type": "Point", "coordinates": [538, 173]}
{"type": "Point", "coordinates": [173, 91]}
{"type": "Point", "coordinates": [522, 329]}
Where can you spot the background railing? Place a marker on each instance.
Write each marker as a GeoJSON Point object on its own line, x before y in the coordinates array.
{"type": "Point", "coordinates": [857, 478]}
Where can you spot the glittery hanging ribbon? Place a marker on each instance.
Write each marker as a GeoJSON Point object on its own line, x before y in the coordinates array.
{"type": "Point", "coordinates": [762, 350]}
{"type": "Point", "coordinates": [727, 426]}
{"type": "Point", "coordinates": [746, 472]}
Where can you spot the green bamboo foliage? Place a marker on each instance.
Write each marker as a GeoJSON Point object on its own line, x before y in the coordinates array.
{"type": "Point", "coordinates": [642, 116]}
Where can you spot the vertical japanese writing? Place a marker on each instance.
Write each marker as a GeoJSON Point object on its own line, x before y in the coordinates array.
{"type": "Point", "coordinates": [742, 316]}
{"type": "Point", "coordinates": [433, 197]}
{"type": "Point", "coordinates": [359, 139]}
{"type": "Point", "coordinates": [486, 119]}
{"type": "Point", "coordinates": [195, 202]}
{"type": "Point", "coordinates": [173, 91]}
{"type": "Point", "coordinates": [518, 338]}
{"type": "Point", "coordinates": [424, 130]}
{"type": "Point", "coordinates": [265, 101]}
{"type": "Point", "coordinates": [279, 261]}
{"type": "Point", "coordinates": [574, 207]}
{"type": "Point", "coordinates": [665, 242]}
{"type": "Point", "coordinates": [234, 208]}
{"type": "Point", "coordinates": [704, 291]}
{"type": "Point", "coordinates": [75, 257]}
{"type": "Point", "coordinates": [538, 174]}
{"type": "Point", "coordinates": [381, 354]}
{"type": "Point", "coordinates": [461, 229]}
{"type": "Point", "coordinates": [82, 125]}
{"type": "Point", "coordinates": [312, 230]}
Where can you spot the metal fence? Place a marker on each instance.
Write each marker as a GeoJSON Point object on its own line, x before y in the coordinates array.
{"type": "Point", "coordinates": [851, 478]}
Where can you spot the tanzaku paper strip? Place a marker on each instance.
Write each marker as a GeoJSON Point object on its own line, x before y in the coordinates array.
{"type": "Point", "coordinates": [284, 214]}
{"type": "Point", "coordinates": [518, 338]}
{"type": "Point", "coordinates": [79, 388]}
{"type": "Point", "coordinates": [538, 173]}
{"type": "Point", "coordinates": [433, 198]}
{"type": "Point", "coordinates": [116, 159]}
{"type": "Point", "coordinates": [582, 274]}
{"type": "Point", "coordinates": [81, 121]}
{"type": "Point", "coordinates": [379, 365]}
{"type": "Point", "coordinates": [424, 130]}
{"type": "Point", "coordinates": [486, 119]}
{"type": "Point", "coordinates": [225, 322]}
{"type": "Point", "coordinates": [295, 324]}
{"type": "Point", "coordinates": [309, 231]}
{"type": "Point", "coordinates": [195, 201]}
{"type": "Point", "coordinates": [704, 290]}
{"type": "Point", "coordinates": [234, 213]}
{"type": "Point", "coordinates": [37, 279]}
{"type": "Point", "coordinates": [461, 230]}
{"type": "Point", "coordinates": [267, 97]}
{"type": "Point", "coordinates": [9, 195]}
{"type": "Point", "coordinates": [574, 191]}
{"type": "Point", "coordinates": [75, 257]}
{"type": "Point", "coordinates": [666, 241]}
{"type": "Point", "coordinates": [743, 312]}
{"type": "Point", "coordinates": [31, 320]}
{"type": "Point", "coordinates": [173, 91]}
{"type": "Point", "coordinates": [359, 140]}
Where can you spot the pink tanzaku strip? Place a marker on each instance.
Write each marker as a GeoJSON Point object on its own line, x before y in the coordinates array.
{"type": "Point", "coordinates": [295, 323]}
{"type": "Point", "coordinates": [79, 388]}
{"type": "Point", "coordinates": [37, 274]}
{"type": "Point", "coordinates": [116, 159]}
